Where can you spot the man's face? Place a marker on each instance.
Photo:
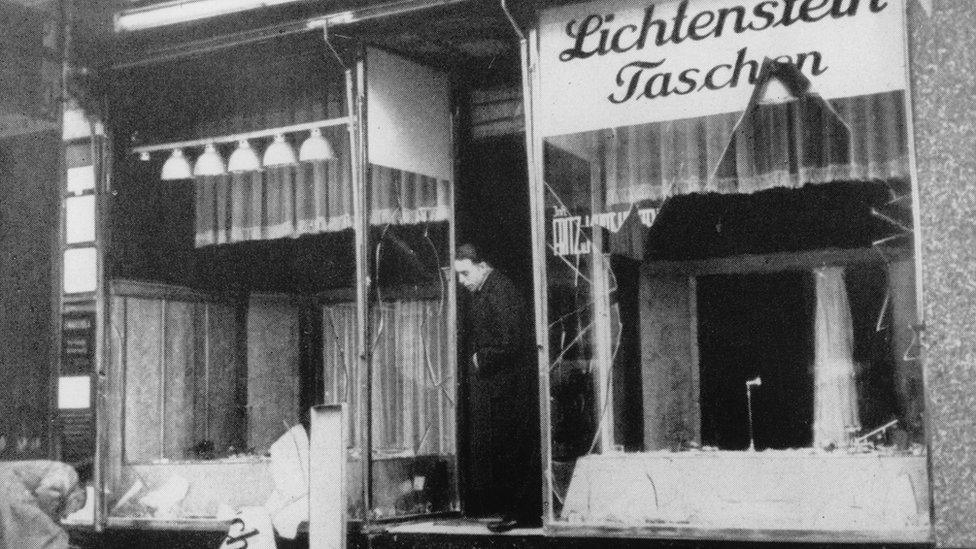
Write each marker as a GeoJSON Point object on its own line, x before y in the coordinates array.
{"type": "Point", "coordinates": [471, 275]}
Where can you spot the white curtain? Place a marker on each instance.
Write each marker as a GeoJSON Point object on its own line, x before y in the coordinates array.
{"type": "Point", "coordinates": [413, 374]}
{"type": "Point", "coordinates": [783, 145]}
{"type": "Point", "coordinates": [835, 395]}
{"type": "Point", "coordinates": [280, 202]}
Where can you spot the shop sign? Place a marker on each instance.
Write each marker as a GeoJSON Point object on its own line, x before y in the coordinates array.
{"type": "Point", "coordinates": [611, 64]}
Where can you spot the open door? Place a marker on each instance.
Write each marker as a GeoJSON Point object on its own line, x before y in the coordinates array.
{"type": "Point", "coordinates": [411, 385]}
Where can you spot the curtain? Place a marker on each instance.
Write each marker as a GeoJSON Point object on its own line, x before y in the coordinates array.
{"type": "Point", "coordinates": [341, 375]}
{"type": "Point", "coordinates": [402, 197]}
{"type": "Point", "coordinates": [835, 395]}
{"type": "Point", "coordinates": [182, 362]}
{"type": "Point", "coordinates": [805, 141]}
{"type": "Point", "coordinates": [310, 198]}
{"type": "Point", "coordinates": [273, 369]}
{"type": "Point", "coordinates": [253, 88]}
{"type": "Point", "coordinates": [413, 374]}
{"type": "Point", "coordinates": [629, 169]}
{"type": "Point", "coordinates": [279, 202]}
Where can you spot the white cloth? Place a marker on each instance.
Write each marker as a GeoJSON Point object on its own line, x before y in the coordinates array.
{"type": "Point", "coordinates": [288, 504]}
{"type": "Point", "coordinates": [835, 392]}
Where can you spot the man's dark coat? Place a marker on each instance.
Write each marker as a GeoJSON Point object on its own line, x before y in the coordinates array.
{"type": "Point", "coordinates": [504, 418]}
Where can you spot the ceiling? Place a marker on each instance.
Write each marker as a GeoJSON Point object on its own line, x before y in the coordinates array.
{"type": "Point", "coordinates": [473, 39]}
{"type": "Point", "coordinates": [473, 36]}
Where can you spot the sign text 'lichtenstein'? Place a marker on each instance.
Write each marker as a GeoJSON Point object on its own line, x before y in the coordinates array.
{"type": "Point", "coordinates": [621, 63]}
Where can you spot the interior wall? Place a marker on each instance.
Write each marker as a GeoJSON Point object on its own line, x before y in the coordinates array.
{"type": "Point", "coordinates": [756, 325]}
{"type": "Point", "coordinates": [668, 361]}
{"type": "Point", "coordinates": [29, 209]}
{"type": "Point", "coordinates": [492, 204]}
{"type": "Point", "coordinates": [491, 211]}
{"type": "Point", "coordinates": [273, 368]}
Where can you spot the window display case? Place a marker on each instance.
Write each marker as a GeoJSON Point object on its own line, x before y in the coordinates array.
{"type": "Point", "coordinates": [246, 290]}
{"type": "Point", "coordinates": [730, 272]}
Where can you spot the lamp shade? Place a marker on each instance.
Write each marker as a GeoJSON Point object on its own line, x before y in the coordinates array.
{"type": "Point", "coordinates": [244, 158]}
{"type": "Point", "coordinates": [176, 167]}
{"type": "Point", "coordinates": [210, 162]}
{"type": "Point", "coordinates": [316, 148]}
{"type": "Point", "coordinates": [279, 153]}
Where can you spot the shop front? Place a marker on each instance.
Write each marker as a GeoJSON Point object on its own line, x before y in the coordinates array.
{"type": "Point", "coordinates": [714, 204]}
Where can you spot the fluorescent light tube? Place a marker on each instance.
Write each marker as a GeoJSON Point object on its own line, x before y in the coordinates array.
{"type": "Point", "coordinates": [185, 11]}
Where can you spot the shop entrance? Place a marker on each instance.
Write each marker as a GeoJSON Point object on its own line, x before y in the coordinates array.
{"type": "Point", "coordinates": [492, 212]}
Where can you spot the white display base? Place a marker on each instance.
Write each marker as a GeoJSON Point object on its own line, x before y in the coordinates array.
{"type": "Point", "coordinates": [863, 495]}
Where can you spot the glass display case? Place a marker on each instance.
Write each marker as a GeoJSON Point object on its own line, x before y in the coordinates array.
{"type": "Point", "coordinates": [731, 303]}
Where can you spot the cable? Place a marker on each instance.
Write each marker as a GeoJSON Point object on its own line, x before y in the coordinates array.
{"type": "Point", "coordinates": [346, 386]}
{"type": "Point", "coordinates": [379, 292]}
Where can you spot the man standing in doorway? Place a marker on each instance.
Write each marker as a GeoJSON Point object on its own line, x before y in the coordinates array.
{"type": "Point", "coordinates": [502, 389]}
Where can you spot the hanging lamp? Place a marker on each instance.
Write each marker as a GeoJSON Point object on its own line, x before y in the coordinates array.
{"type": "Point", "coordinates": [244, 158]}
{"type": "Point", "coordinates": [316, 148]}
{"type": "Point", "coordinates": [279, 153]}
{"type": "Point", "coordinates": [176, 167]}
{"type": "Point", "coordinates": [210, 162]}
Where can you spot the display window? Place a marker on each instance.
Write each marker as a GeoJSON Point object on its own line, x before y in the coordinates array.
{"type": "Point", "coordinates": [250, 283]}
{"type": "Point", "coordinates": [730, 269]}
{"type": "Point", "coordinates": [219, 253]}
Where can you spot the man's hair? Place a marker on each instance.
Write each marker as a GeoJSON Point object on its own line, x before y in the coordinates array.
{"type": "Point", "coordinates": [470, 252]}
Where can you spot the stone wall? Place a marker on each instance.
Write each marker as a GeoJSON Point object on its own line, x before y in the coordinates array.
{"type": "Point", "coordinates": [943, 80]}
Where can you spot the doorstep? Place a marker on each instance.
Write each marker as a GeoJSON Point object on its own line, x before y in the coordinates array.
{"type": "Point", "coordinates": [453, 527]}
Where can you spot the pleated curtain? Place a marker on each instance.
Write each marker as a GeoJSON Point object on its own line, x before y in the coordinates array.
{"type": "Point", "coordinates": [781, 145]}
{"type": "Point", "coordinates": [274, 85]}
{"type": "Point", "coordinates": [310, 198]}
{"type": "Point", "coordinates": [413, 395]}
{"type": "Point", "coordinates": [835, 393]}
{"type": "Point", "coordinates": [403, 197]}
{"type": "Point", "coordinates": [341, 375]}
{"type": "Point", "coordinates": [279, 202]}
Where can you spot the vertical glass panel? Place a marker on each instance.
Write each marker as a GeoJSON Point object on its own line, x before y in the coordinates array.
{"type": "Point", "coordinates": [79, 270]}
{"type": "Point", "coordinates": [414, 432]}
{"type": "Point", "coordinates": [80, 219]}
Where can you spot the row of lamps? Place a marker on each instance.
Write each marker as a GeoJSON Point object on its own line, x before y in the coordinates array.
{"type": "Point", "coordinates": [244, 158]}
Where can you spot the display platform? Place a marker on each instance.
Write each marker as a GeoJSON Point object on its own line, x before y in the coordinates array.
{"type": "Point", "coordinates": [854, 495]}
